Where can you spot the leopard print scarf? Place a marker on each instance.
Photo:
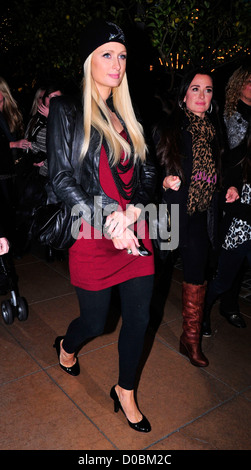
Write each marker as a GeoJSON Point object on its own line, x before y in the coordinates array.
{"type": "Point", "coordinates": [204, 177]}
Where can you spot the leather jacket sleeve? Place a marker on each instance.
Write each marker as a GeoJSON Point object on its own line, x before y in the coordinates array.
{"type": "Point", "coordinates": [145, 192]}
{"type": "Point", "coordinates": [64, 142]}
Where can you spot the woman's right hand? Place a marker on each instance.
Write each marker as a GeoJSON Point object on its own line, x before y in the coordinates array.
{"type": "Point", "coordinates": [171, 182]}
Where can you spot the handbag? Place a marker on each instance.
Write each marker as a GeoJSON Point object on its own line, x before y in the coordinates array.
{"type": "Point", "coordinates": [54, 225]}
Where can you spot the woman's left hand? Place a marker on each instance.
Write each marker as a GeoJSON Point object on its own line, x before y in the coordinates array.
{"type": "Point", "coordinates": [171, 182]}
{"type": "Point", "coordinates": [232, 194]}
{"type": "Point", "coordinates": [118, 221]}
{"type": "Point", "coordinates": [128, 241]}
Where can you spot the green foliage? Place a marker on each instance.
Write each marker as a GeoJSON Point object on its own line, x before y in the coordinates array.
{"type": "Point", "coordinates": [196, 32]}
{"type": "Point", "coordinates": [41, 38]}
{"type": "Point", "coordinates": [44, 39]}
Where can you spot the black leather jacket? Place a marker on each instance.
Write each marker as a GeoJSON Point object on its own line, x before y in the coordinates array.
{"type": "Point", "coordinates": [78, 183]}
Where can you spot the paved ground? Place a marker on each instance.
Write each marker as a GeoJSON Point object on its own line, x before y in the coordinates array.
{"type": "Point", "coordinates": [43, 408]}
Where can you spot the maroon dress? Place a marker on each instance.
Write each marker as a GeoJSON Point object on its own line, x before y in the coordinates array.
{"type": "Point", "coordinates": [94, 262]}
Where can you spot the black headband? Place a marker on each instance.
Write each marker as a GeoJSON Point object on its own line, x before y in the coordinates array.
{"type": "Point", "coordinates": [99, 32]}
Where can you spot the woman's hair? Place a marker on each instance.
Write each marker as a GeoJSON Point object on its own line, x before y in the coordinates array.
{"type": "Point", "coordinates": [96, 114]}
{"type": "Point", "coordinates": [168, 147]}
{"type": "Point", "coordinates": [11, 111]}
{"type": "Point", "coordinates": [51, 88]}
{"type": "Point", "coordinates": [233, 89]}
{"type": "Point", "coordinates": [35, 101]}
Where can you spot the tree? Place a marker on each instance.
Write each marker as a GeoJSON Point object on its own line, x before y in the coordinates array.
{"type": "Point", "coordinates": [39, 39]}
{"type": "Point", "coordinates": [196, 32]}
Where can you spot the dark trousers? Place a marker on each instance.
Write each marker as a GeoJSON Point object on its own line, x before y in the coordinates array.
{"type": "Point", "coordinates": [7, 208]}
{"type": "Point", "coordinates": [135, 297]}
{"type": "Point", "coordinates": [230, 263]}
{"type": "Point", "coordinates": [229, 300]}
{"type": "Point", "coordinates": [194, 253]}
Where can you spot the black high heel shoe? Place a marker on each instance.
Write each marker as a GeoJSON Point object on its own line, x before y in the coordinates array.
{"type": "Point", "coordinates": [73, 370]}
{"type": "Point", "coordinates": [141, 426]}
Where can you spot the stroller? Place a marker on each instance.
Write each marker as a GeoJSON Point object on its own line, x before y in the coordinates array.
{"type": "Point", "coordinates": [16, 306]}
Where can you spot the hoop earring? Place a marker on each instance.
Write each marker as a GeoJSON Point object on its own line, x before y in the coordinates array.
{"type": "Point", "coordinates": [181, 104]}
{"type": "Point", "coordinates": [210, 109]}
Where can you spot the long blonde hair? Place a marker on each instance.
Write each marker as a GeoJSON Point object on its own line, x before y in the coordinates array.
{"type": "Point", "coordinates": [11, 111]}
{"type": "Point", "coordinates": [96, 114]}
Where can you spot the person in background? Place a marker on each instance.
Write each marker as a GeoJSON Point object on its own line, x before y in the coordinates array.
{"type": "Point", "coordinates": [11, 142]}
{"type": "Point", "coordinates": [189, 151]}
{"type": "Point", "coordinates": [37, 101]}
{"type": "Point", "coordinates": [11, 118]}
{"type": "Point", "coordinates": [103, 146]}
{"type": "Point", "coordinates": [236, 227]}
{"type": "Point", "coordinates": [32, 181]}
{"type": "Point", "coordinates": [36, 129]}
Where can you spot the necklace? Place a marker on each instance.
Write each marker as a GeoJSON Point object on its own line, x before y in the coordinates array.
{"type": "Point", "coordinates": [126, 190]}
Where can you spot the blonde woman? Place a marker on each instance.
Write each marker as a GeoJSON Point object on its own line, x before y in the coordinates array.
{"type": "Point", "coordinates": [12, 116]}
{"type": "Point", "coordinates": [102, 147]}
{"type": "Point", "coordinates": [37, 101]}
{"type": "Point", "coordinates": [11, 131]}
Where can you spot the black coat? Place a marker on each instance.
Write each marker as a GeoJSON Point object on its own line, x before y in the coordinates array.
{"type": "Point", "coordinates": [180, 197]}
{"type": "Point", "coordinates": [233, 176]}
{"type": "Point", "coordinates": [6, 154]}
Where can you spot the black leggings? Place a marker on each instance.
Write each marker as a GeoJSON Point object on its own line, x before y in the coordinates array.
{"type": "Point", "coordinates": [135, 296]}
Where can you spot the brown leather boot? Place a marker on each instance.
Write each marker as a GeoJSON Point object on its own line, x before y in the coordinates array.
{"type": "Point", "coordinates": [193, 302]}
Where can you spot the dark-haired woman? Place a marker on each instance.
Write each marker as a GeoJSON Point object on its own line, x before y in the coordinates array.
{"type": "Point", "coordinates": [189, 153]}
